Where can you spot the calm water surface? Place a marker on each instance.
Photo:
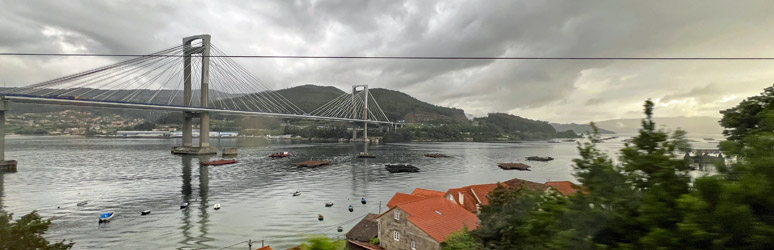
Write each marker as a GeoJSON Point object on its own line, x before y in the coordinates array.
{"type": "Point", "coordinates": [131, 175]}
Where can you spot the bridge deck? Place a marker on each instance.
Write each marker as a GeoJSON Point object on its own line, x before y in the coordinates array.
{"type": "Point", "coordinates": [130, 105]}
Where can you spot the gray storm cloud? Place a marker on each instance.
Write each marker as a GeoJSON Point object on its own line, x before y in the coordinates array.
{"type": "Point", "coordinates": [562, 91]}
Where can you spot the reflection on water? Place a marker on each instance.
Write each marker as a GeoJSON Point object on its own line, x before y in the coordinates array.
{"type": "Point", "coordinates": [131, 175]}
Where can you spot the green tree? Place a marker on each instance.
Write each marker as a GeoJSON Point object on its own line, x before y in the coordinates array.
{"type": "Point", "coordinates": [461, 240]}
{"type": "Point", "coordinates": [27, 233]}
{"type": "Point", "coordinates": [322, 243]}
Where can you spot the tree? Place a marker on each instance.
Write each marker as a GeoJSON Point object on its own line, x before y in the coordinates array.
{"type": "Point", "coordinates": [322, 243]}
{"type": "Point", "coordinates": [27, 233]}
{"type": "Point", "coordinates": [461, 240]}
{"type": "Point", "coordinates": [752, 115]}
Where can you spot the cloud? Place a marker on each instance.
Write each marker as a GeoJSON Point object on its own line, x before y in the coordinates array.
{"type": "Point", "coordinates": [562, 91]}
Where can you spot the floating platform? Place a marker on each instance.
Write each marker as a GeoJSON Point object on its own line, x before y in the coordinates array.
{"type": "Point", "coordinates": [436, 155]}
{"type": "Point", "coordinates": [8, 166]}
{"type": "Point", "coordinates": [280, 155]}
{"type": "Point", "coordinates": [538, 158]}
{"type": "Point", "coordinates": [365, 155]}
{"type": "Point", "coordinates": [218, 162]}
{"type": "Point", "coordinates": [398, 168]}
{"type": "Point", "coordinates": [183, 150]}
{"type": "Point", "coordinates": [311, 163]}
{"type": "Point", "coordinates": [514, 166]}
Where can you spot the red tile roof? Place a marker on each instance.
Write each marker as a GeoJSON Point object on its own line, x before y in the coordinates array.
{"type": "Point", "coordinates": [426, 192]}
{"type": "Point", "coordinates": [264, 248]}
{"type": "Point", "coordinates": [438, 217]}
{"type": "Point", "coordinates": [477, 194]}
{"type": "Point", "coordinates": [564, 187]}
{"type": "Point", "coordinates": [399, 198]}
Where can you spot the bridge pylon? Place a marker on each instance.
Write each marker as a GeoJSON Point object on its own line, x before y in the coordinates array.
{"type": "Point", "coordinates": [5, 165]}
{"type": "Point", "coordinates": [204, 116]}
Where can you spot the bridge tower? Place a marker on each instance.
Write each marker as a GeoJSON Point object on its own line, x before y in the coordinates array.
{"type": "Point", "coordinates": [204, 116]}
{"type": "Point", "coordinates": [5, 165]}
{"type": "Point", "coordinates": [365, 111]}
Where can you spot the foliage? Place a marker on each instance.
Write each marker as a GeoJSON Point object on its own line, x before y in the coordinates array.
{"type": "Point", "coordinates": [461, 240]}
{"type": "Point", "coordinates": [318, 131]}
{"type": "Point", "coordinates": [26, 233]}
{"type": "Point", "coordinates": [374, 241]}
{"type": "Point", "coordinates": [322, 243]}
{"type": "Point", "coordinates": [566, 134]}
{"type": "Point", "coordinates": [400, 135]}
{"type": "Point", "coordinates": [754, 114]}
{"type": "Point", "coordinates": [633, 204]}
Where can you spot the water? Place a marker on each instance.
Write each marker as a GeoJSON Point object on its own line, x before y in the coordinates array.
{"type": "Point", "coordinates": [131, 175]}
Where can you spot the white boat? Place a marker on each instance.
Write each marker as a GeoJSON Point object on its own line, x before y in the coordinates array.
{"type": "Point", "coordinates": [184, 205]}
{"type": "Point", "coordinates": [329, 204]}
{"type": "Point", "coordinates": [217, 206]}
{"type": "Point", "coordinates": [297, 193]}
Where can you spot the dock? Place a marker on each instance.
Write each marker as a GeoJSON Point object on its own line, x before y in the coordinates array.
{"type": "Point", "coordinates": [311, 163]}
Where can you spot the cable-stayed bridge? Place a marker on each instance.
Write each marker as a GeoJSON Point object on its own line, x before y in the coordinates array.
{"type": "Point", "coordinates": [195, 78]}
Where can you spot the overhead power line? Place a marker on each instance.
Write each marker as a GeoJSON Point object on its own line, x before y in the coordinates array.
{"type": "Point", "coordinates": [405, 57]}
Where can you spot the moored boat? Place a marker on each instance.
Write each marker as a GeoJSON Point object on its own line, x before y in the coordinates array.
{"type": "Point", "coordinates": [105, 217]}
{"type": "Point", "coordinates": [435, 155]}
{"type": "Point", "coordinates": [365, 155]}
{"type": "Point", "coordinates": [297, 193]}
{"type": "Point", "coordinates": [363, 200]}
{"type": "Point", "coordinates": [340, 229]}
{"type": "Point", "coordinates": [82, 203]}
{"type": "Point", "coordinates": [398, 168]}
{"type": "Point", "coordinates": [320, 217]}
{"type": "Point", "coordinates": [184, 205]}
{"type": "Point", "coordinates": [513, 166]}
{"type": "Point", "coordinates": [280, 155]}
{"type": "Point", "coordinates": [539, 158]}
{"type": "Point", "coordinates": [146, 212]}
{"type": "Point", "coordinates": [218, 162]}
{"type": "Point", "coordinates": [312, 163]}
{"type": "Point", "coordinates": [351, 208]}
{"type": "Point", "coordinates": [329, 204]}
{"type": "Point", "coordinates": [217, 206]}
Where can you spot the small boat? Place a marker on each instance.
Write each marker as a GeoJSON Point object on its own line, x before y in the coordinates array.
{"type": "Point", "coordinates": [105, 217]}
{"type": "Point", "coordinates": [362, 200]}
{"type": "Point", "coordinates": [146, 212]}
{"type": "Point", "coordinates": [709, 139]}
{"type": "Point", "coordinates": [351, 208]}
{"type": "Point", "coordinates": [569, 140]}
{"type": "Point", "coordinates": [218, 162]}
{"type": "Point", "coordinates": [538, 158]}
{"type": "Point", "coordinates": [552, 141]}
{"type": "Point", "coordinates": [512, 166]}
{"type": "Point", "coordinates": [340, 229]}
{"type": "Point", "coordinates": [435, 155]}
{"type": "Point", "coordinates": [320, 217]}
{"type": "Point", "coordinates": [279, 155]}
{"type": "Point", "coordinates": [217, 206]}
{"type": "Point", "coordinates": [82, 203]}
{"type": "Point", "coordinates": [365, 155]}
{"type": "Point", "coordinates": [329, 204]}
{"type": "Point", "coordinates": [312, 163]}
{"type": "Point", "coordinates": [398, 168]}
{"type": "Point", "coordinates": [184, 205]}
{"type": "Point", "coordinates": [297, 193]}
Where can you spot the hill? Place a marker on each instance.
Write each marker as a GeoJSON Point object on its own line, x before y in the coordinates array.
{"type": "Point", "coordinates": [692, 125]}
{"type": "Point", "coordinates": [578, 128]}
{"type": "Point", "coordinates": [395, 104]}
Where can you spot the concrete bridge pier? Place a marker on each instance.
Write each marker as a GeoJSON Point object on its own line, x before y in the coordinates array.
{"type": "Point", "coordinates": [204, 147]}
{"type": "Point", "coordinates": [5, 165]}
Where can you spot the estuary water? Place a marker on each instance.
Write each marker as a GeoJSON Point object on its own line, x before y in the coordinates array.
{"type": "Point", "coordinates": [131, 175]}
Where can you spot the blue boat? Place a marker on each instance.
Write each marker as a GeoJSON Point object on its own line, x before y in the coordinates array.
{"type": "Point", "coordinates": [105, 217]}
{"type": "Point", "coordinates": [362, 200]}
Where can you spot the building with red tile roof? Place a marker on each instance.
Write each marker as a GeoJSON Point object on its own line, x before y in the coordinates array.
{"type": "Point", "coordinates": [426, 192]}
{"type": "Point", "coordinates": [473, 197]}
{"type": "Point", "coordinates": [564, 187]}
{"type": "Point", "coordinates": [422, 223]}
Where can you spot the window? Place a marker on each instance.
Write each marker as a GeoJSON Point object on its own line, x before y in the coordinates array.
{"type": "Point", "coordinates": [396, 235]}
{"type": "Point", "coordinates": [413, 245]}
{"type": "Point", "coordinates": [397, 214]}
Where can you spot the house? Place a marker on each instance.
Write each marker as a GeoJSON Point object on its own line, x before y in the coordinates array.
{"type": "Point", "coordinates": [473, 197]}
{"type": "Point", "coordinates": [359, 237]}
{"type": "Point", "coordinates": [421, 222]}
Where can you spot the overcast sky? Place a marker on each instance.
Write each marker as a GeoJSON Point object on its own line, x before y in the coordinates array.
{"type": "Point", "coordinates": [559, 91]}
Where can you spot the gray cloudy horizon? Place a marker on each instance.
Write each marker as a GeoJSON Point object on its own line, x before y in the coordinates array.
{"type": "Point", "coordinates": [552, 90]}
